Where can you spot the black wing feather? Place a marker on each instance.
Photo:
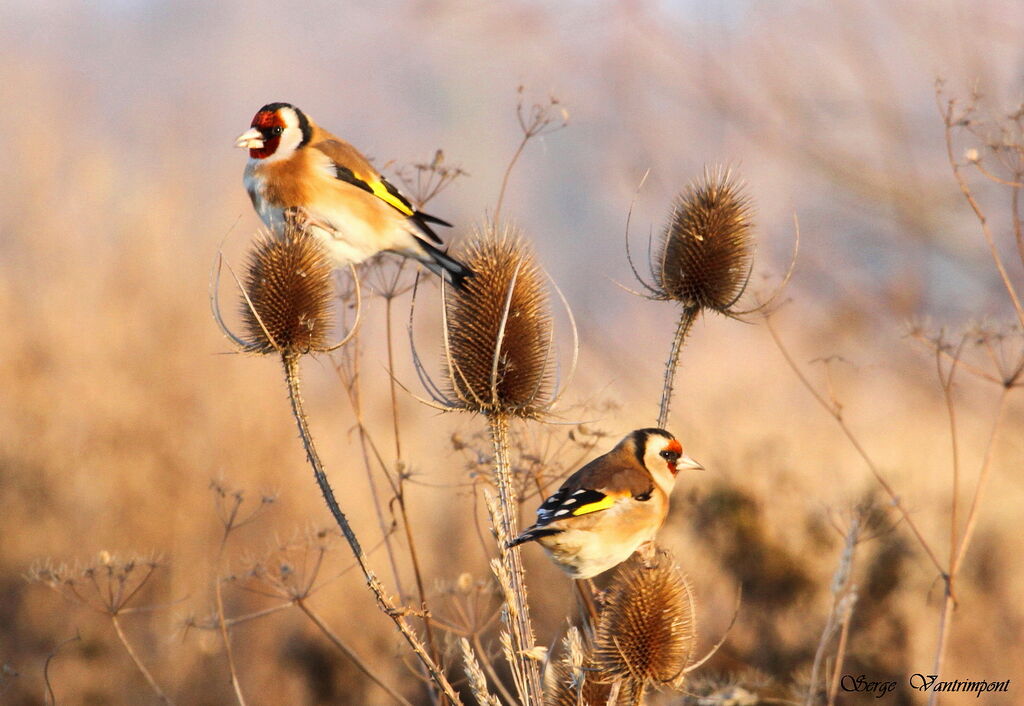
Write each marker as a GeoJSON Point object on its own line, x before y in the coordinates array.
{"type": "Point", "coordinates": [348, 176]}
{"type": "Point", "coordinates": [564, 501]}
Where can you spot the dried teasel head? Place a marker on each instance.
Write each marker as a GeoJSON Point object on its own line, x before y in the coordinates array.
{"type": "Point", "coordinates": [499, 330]}
{"type": "Point", "coordinates": [706, 250]}
{"type": "Point", "coordinates": [566, 688]}
{"type": "Point", "coordinates": [646, 632]}
{"type": "Point", "coordinates": [287, 302]}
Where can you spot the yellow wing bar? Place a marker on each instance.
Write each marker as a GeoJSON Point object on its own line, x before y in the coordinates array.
{"type": "Point", "coordinates": [382, 192]}
{"type": "Point", "coordinates": [603, 504]}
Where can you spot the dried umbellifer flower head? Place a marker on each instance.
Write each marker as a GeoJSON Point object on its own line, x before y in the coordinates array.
{"type": "Point", "coordinates": [499, 329]}
{"type": "Point", "coordinates": [290, 294]}
{"type": "Point", "coordinates": [646, 630]}
{"type": "Point", "coordinates": [706, 250]}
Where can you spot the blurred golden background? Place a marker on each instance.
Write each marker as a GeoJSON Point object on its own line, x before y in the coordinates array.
{"type": "Point", "coordinates": [121, 401]}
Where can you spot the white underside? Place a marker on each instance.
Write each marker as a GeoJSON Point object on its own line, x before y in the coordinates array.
{"type": "Point", "coordinates": [585, 553]}
{"type": "Point", "coordinates": [348, 237]}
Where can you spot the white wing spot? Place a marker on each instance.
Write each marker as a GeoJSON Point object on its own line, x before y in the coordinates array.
{"type": "Point", "coordinates": [561, 512]}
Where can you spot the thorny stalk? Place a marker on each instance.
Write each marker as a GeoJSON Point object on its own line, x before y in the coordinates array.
{"type": "Point", "coordinates": [520, 627]}
{"type": "Point", "coordinates": [686, 318]}
{"type": "Point", "coordinates": [397, 615]}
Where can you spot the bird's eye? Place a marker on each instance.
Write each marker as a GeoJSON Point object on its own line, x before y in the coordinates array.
{"type": "Point", "coordinates": [670, 455]}
{"type": "Point", "coordinates": [275, 131]}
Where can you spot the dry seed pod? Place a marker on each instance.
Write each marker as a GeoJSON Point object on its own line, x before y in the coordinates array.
{"type": "Point", "coordinates": [646, 631]}
{"type": "Point", "coordinates": [499, 330]}
{"type": "Point", "coordinates": [562, 691]}
{"type": "Point", "coordinates": [706, 249]}
{"type": "Point", "coordinates": [287, 307]}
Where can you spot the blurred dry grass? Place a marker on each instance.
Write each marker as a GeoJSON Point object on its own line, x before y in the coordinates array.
{"type": "Point", "coordinates": [119, 404]}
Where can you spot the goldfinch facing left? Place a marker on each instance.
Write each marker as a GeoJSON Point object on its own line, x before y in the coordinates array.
{"type": "Point", "coordinates": [298, 169]}
{"type": "Point", "coordinates": [604, 511]}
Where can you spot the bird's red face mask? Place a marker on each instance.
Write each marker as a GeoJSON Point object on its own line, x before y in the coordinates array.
{"type": "Point", "coordinates": [264, 135]}
{"type": "Point", "coordinates": [671, 453]}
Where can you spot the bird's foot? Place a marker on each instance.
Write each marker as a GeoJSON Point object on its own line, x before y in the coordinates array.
{"type": "Point", "coordinates": [302, 219]}
{"type": "Point", "coordinates": [647, 552]}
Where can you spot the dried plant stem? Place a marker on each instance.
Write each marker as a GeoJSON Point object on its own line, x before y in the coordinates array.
{"type": "Point", "coordinates": [1018, 227]}
{"type": "Point", "coordinates": [138, 663]}
{"type": "Point", "coordinates": [352, 387]}
{"type": "Point", "coordinates": [291, 371]}
{"type": "Point", "coordinates": [959, 547]}
{"type": "Point", "coordinates": [396, 483]}
{"type": "Point", "coordinates": [979, 491]}
{"type": "Point", "coordinates": [520, 626]}
{"type": "Point", "coordinates": [475, 676]}
{"type": "Point", "coordinates": [488, 666]}
{"type": "Point", "coordinates": [51, 699]}
{"type": "Point", "coordinates": [836, 413]}
{"type": "Point", "coordinates": [400, 494]}
{"type": "Point", "coordinates": [351, 383]}
{"type": "Point", "coordinates": [218, 594]}
{"type": "Point", "coordinates": [837, 669]}
{"type": "Point", "coordinates": [508, 172]}
{"type": "Point", "coordinates": [950, 120]}
{"type": "Point", "coordinates": [345, 650]}
{"type": "Point", "coordinates": [843, 598]}
{"type": "Point", "coordinates": [686, 319]}
{"type": "Point", "coordinates": [959, 550]}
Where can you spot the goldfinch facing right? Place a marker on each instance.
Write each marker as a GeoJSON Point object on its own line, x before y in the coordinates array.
{"type": "Point", "coordinates": [607, 509]}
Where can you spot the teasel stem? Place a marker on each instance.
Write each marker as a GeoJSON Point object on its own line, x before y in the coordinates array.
{"type": "Point", "coordinates": [686, 319]}
{"type": "Point", "coordinates": [520, 626]}
{"type": "Point", "coordinates": [291, 374]}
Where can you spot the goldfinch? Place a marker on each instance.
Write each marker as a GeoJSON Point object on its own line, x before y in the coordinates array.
{"type": "Point", "coordinates": [296, 169]}
{"type": "Point", "coordinates": [606, 510]}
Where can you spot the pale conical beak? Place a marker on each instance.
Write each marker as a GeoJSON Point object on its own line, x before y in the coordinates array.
{"type": "Point", "coordinates": [685, 463]}
{"type": "Point", "coordinates": [250, 139]}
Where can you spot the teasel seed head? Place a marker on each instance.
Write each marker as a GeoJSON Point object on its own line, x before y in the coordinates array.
{"type": "Point", "coordinates": [706, 249]}
{"type": "Point", "coordinates": [646, 631]}
{"type": "Point", "coordinates": [287, 305]}
{"type": "Point", "coordinates": [563, 690]}
{"type": "Point", "coordinates": [499, 345]}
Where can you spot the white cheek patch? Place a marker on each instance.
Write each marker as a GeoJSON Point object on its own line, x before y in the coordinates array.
{"type": "Point", "coordinates": [289, 141]}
